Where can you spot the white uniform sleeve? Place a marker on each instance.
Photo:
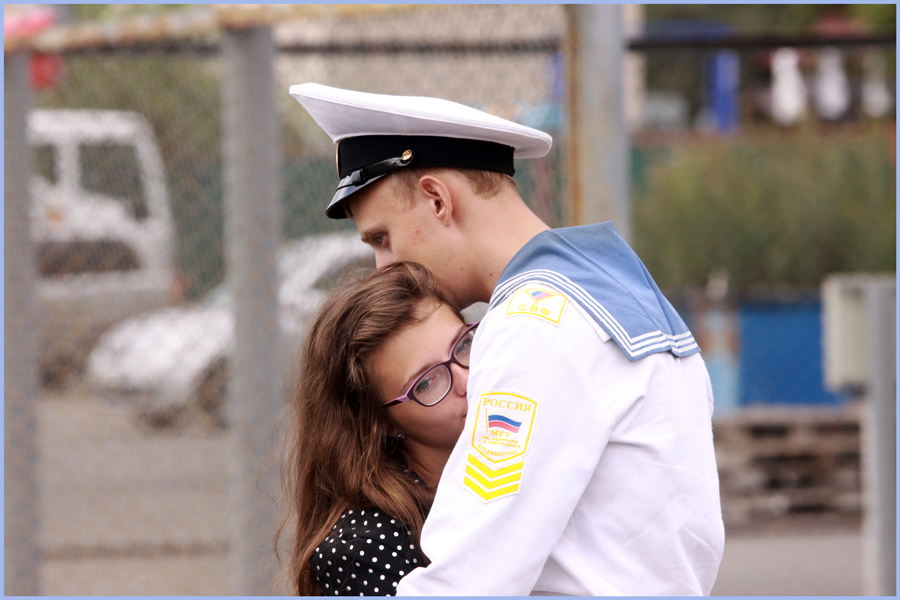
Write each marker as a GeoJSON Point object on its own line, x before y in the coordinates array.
{"type": "Point", "coordinates": [544, 397]}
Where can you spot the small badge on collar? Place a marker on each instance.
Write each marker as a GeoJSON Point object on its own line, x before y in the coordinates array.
{"type": "Point", "coordinates": [537, 303]}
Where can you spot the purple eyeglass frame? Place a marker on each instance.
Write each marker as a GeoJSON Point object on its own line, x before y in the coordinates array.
{"type": "Point", "coordinates": [409, 395]}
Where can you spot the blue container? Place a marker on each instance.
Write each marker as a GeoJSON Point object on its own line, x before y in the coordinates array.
{"type": "Point", "coordinates": [781, 354]}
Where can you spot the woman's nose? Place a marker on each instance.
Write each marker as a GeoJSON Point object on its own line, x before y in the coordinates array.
{"type": "Point", "coordinates": [460, 379]}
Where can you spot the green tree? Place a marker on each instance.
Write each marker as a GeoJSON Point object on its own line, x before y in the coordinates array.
{"type": "Point", "coordinates": [772, 211]}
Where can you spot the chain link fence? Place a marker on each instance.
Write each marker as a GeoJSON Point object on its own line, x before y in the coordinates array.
{"type": "Point", "coordinates": [166, 172]}
{"type": "Point", "coordinates": [128, 226]}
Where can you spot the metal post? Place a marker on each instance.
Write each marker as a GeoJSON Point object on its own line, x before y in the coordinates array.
{"type": "Point", "coordinates": [880, 450]}
{"type": "Point", "coordinates": [253, 234]}
{"type": "Point", "coordinates": [598, 151]}
{"type": "Point", "coordinates": [20, 388]}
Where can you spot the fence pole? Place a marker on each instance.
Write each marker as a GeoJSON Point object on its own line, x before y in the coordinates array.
{"type": "Point", "coordinates": [880, 451]}
{"type": "Point", "coordinates": [20, 388]}
{"type": "Point", "coordinates": [598, 151]}
{"type": "Point", "coordinates": [252, 235]}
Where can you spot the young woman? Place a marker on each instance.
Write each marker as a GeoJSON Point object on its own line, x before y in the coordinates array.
{"type": "Point", "coordinates": [380, 403]}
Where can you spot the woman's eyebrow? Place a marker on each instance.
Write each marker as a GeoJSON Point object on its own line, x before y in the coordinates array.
{"type": "Point", "coordinates": [406, 384]}
{"type": "Point", "coordinates": [459, 333]}
{"type": "Point", "coordinates": [420, 372]}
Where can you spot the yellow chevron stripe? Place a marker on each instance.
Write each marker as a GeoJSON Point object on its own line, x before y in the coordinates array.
{"type": "Point", "coordinates": [489, 472]}
{"type": "Point", "coordinates": [490, 495]}
{"type": "Point", "coordinates": [489, 484]}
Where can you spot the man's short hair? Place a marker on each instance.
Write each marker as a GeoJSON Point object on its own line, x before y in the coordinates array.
{"type": "Point", "coordinates": [486, 184]}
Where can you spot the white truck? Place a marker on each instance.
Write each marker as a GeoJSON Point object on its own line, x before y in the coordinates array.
{"type": "Point", "coordinates": [101, 227]}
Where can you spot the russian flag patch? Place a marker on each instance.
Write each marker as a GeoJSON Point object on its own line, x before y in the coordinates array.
{"type": "Point", "coordinates": [503, 426]}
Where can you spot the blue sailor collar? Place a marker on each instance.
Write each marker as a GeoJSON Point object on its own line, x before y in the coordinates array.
{"type": "Point", "coordinates": [596, 268]}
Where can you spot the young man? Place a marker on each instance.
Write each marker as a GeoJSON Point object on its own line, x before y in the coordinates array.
{"type": "Point", "coordinates": [586, 466]}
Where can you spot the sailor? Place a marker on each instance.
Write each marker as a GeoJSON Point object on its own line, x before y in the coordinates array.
{"type": "Point", "coordinates": [586, 466]}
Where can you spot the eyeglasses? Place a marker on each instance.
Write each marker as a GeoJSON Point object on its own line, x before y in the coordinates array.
{"type": "Point", "coordinates": [434, 384]}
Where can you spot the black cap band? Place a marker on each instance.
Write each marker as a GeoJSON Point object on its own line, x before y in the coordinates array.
{"type": "Point", "coordinates": [428, 152]}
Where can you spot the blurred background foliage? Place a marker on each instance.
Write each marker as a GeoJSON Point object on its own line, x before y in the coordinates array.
{"type": "Point", "coordinates": [776, 18]}
{"type": "Point", "coordinates": [771, 209]}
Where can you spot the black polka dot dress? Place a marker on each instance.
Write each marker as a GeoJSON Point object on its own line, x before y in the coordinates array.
{"type": "Point", "coordinates": [366, 554]}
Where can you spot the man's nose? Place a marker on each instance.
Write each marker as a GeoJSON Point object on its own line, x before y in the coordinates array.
{"type": "Point", "coordinates": [383, 258]}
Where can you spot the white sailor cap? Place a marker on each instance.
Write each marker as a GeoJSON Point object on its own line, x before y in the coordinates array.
{"type": "Point", "coordinates": [377, 134]}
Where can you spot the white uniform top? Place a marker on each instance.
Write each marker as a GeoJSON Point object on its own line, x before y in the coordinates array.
{"type": "Point", "coordinates": [584, 468]}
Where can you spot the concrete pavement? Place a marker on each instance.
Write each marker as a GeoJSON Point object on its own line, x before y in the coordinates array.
{"type": "Point", "coordinates": [126, 511]}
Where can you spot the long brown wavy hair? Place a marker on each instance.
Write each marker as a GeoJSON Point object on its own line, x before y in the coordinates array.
{"type": "Point", "coordinates": [340, 452]}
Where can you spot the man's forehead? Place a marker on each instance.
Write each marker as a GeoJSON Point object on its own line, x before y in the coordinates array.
{"type": "Point", "coordinates": [378, 201]}
{"type": "Point", "coordinates": [371, 215]}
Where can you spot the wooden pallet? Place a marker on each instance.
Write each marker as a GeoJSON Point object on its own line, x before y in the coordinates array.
{"type": "Point", "coordinates": [774, 463]}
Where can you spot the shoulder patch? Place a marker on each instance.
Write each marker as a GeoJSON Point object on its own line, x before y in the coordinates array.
{"type": "Point", "coordinates": [537, 302]}
{"type": "Point", "coordinates": [503, 426]}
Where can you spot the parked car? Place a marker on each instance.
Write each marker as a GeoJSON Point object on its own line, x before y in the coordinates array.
{"type": "Point", "coordinates": [101, 227]}
{"type": "Point", "coordinates": [175, 360]}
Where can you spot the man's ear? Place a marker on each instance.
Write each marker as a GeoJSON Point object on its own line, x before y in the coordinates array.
{"type": "Point", "coordinates": [439, 196]}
